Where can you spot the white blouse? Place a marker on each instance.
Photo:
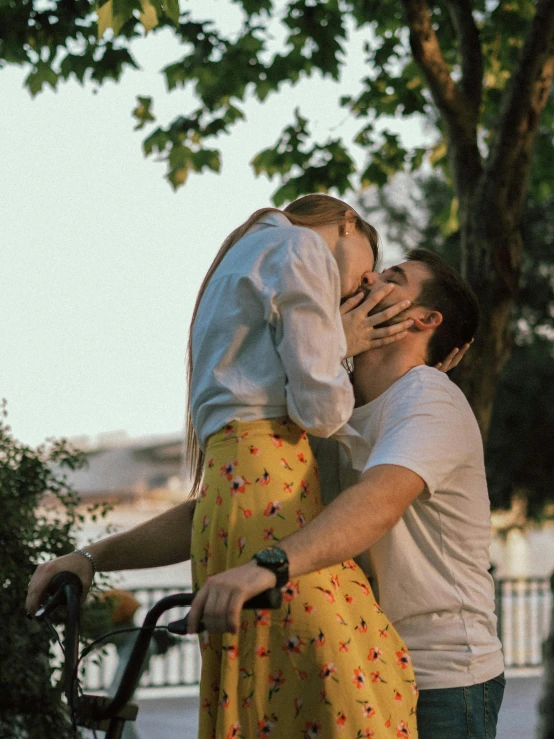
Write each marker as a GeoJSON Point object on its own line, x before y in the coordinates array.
{"type": "Point", "coordinates": [268, 340]}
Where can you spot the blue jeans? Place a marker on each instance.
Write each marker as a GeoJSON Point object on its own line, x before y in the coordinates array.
{"type": "Point", "coordinates": [460, 713]}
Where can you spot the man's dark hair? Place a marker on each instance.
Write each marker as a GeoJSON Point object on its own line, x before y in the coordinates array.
{"type": "Point", "coordinates": [447, 292]}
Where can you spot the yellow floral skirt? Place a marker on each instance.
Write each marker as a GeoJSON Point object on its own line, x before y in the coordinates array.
{"type": "Point", "coordinates": [329, 663]}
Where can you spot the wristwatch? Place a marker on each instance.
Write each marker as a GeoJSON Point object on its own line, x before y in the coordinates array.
{"type": "Point", "coordinates": [276, 560]}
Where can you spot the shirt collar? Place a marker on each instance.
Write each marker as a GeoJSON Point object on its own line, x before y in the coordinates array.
{"type": "Point", "coordinates": [273, 218]}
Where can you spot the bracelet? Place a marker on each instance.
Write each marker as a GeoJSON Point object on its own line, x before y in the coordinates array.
{"type": "Point", "coordinates": [87, 555]}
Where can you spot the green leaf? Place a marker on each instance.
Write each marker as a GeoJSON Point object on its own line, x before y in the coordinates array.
{"type": "Point", "coordinates": [178, 177]}
{"type": "Point", "coordinates": [374, 174]}
{"type": "Point", "coordinates": [143, 112]}
{"type": "Point", "coordinates": [148, 15]}
{"type": "Point", "coordinates": [364, 137]}
{"type": "Point", "coordinates": [206, 159]}
{"type": "Point", "coordinates": [157, 141]}
{"type": "Point", "coordinates": [175, 75]}
{"type": "Point", "coordinates": [253, 7]}
{"type": "Point", "coordinates": [233, 114]}
{"type": "Point", "coordinates": [112, 63]}
{"type": "Point", "coordinates": [180, 157]}
{"type": "Point", "coordinates": [124, 8]}
{"type": "Point", "coordinates": [76, 64]}
{"type": "Point", "coordinates": [106, 19]}
{"type": "Point", "coordinates": [43, 74]}
{"type": "Point", "coordinates": [172, 10]}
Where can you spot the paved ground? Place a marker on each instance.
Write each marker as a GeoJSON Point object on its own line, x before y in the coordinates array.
{"type": "Point", "coordinates": [168, 719]}
{"type": "Point", "coordinates": [175, 718]}
{"type": "Point", "coordinates": [518, 715]}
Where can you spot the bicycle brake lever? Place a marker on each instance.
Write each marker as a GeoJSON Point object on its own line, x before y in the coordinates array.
{"type": "Point", "coordinates": [53, 602]}
{"type": "Point", "coordinates": [180, 627]}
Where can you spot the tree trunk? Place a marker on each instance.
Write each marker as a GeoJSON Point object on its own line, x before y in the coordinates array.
{"type": "Point", "coordinates": [479, 373]}
{"type": "Point", "coordinates": [491, 262]}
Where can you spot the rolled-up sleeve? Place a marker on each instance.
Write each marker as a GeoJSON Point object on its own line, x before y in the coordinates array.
{"type": "Point", "coordinates": [310, 340]}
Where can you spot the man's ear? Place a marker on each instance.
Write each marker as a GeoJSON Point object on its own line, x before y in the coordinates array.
{"type": "Point", "coordinates": [429, 321]}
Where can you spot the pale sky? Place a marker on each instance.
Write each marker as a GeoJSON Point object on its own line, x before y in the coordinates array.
{"type": "Point", "coordinates": [101, 260]}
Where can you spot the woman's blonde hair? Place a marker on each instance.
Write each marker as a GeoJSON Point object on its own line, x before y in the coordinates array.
{"type": "Point", "coordinates": [310, 210]}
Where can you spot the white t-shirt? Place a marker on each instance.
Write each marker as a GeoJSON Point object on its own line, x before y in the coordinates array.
{"type": "Point", "coordinates": [268, 338]}
{"type": "Point", "coordinates": [432, 567]}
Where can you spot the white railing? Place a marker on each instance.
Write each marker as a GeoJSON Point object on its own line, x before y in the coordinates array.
{"type": "Point", "coordinates": [524, 608]}
{"type": "Point", "coordinates": [179, 667]}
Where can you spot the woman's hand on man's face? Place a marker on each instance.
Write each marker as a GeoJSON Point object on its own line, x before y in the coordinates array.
{"type": "Point", "coordinates": [360, 329]}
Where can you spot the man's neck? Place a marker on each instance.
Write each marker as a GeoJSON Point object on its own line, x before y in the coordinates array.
{"type": "Point", "coordinates": [377, 369]}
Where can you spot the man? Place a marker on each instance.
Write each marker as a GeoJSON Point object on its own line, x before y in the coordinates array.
{"type": "Point", "coordinates": [431, 568]}
{"type": "Point", "coordinates": [420, 506]}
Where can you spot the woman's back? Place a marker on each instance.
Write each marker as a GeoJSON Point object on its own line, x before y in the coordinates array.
{"type": "Point", "coordinates": [267, 309]}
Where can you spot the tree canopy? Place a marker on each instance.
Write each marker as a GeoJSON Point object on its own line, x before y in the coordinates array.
{"type": "Point", "coordinates": [479, 72]}
{"type": "Point", "coordinates": [446, 61]}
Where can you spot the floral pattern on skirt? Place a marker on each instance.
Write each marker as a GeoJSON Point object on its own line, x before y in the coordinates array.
{"type": "Point", "coordinates": [329, 663]}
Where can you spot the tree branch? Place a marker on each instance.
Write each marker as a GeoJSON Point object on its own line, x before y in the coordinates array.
{"type": "Point", "coordinates": [502, 189]}
{"type": "Point", "coordinates": [427, 53]}
{"type": "Point", "coordinates": [458, 112]}
{"type": "Point", "coordinates": [510, 158]}
{"type": "Point", "coordinates": [470, 52]}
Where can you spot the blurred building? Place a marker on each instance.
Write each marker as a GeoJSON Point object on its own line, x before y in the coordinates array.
{"type": "Point", "coordinates": [139, 478]}
{"type": "Point", "coordinates": [142, 474]}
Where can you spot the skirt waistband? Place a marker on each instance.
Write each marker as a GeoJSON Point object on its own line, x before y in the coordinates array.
{"type": "Point", "coordinates": [278, 427]}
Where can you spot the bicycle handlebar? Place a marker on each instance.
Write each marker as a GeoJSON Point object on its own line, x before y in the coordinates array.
{"type": "Point", "coordinates": [66, 587]}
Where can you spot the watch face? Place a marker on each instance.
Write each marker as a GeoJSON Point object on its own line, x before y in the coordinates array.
{"type": "Point", "coordinates": [276, 560]}
{"type": "Point", "coordinates": [272, 556]}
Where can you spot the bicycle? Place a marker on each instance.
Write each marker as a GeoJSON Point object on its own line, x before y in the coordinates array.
{"type": "Point", "coordinates": [109, 714]}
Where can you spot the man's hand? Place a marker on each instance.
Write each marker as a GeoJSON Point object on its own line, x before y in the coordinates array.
{"type": "Point", "coordinates": [453, 359]}
{"type": "Point", "coordinates": [359, 328]}
{"type": "Point", "coordinates": [45, 572]}
{"type": "Point", "coordinates": [219, 601]}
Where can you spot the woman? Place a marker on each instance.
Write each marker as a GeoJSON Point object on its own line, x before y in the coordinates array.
{"type": "Point", "coordinates": [265, 367]}
{"type": "Point", "coordinates": [267, 345]}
